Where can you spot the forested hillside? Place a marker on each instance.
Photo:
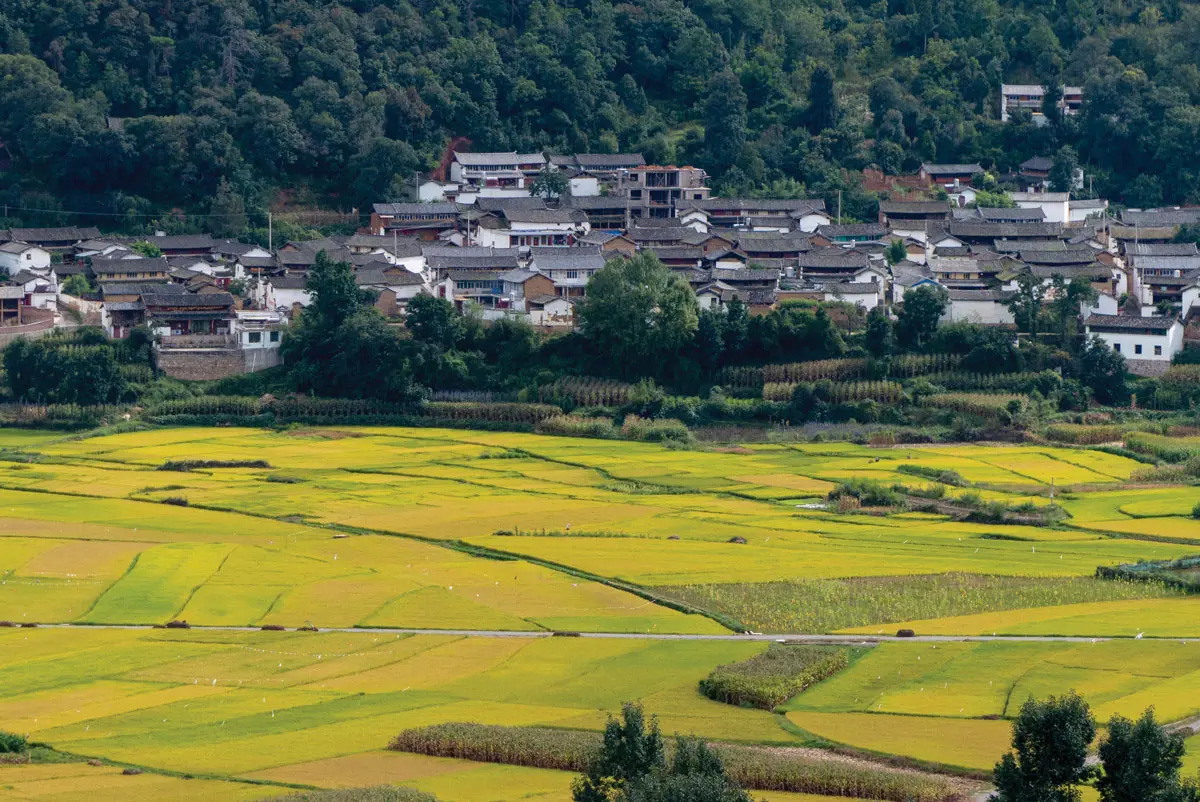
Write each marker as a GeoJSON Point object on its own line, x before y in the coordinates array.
{"type": "Point", "coordinates": [134, 106]}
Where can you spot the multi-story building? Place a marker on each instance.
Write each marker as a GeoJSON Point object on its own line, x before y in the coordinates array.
{"type": "Point", "coordinates": [659, 191]}
{"type": "Point", "coordinates": [1032, 96]}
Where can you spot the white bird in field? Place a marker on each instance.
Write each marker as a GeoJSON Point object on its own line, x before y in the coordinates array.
{"type": "Point", "coordinates": [1138, 636]}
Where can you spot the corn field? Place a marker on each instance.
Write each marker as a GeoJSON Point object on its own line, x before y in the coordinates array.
{"type": "Point", "coordinates": [741, 376]}
{"type": "Point", "coordinates": [232, 405]}
{"type": "Point", "coordinates": [911, 365]}
{"type": "Point", "coordinates": [587, 391]}
{"type": "Point", "coordinates": [963, 380]}
{"type": "Point", "coordinates": [841, 392]}
{"type": "Point", "coordinates": [987, 405]}
{"type": "Point", "coordinates": [834, 369]}
{"type": "Point", "coordinates": [1170, 449]}
{"type": "Point", "coordinates": [754, 767]}
{"type": "Point", "coordinates": [498, 413]}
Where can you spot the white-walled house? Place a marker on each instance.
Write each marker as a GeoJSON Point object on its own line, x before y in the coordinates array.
{"type": "Point", "coordinates": [1139, 339]}
{"type": "Point", "coordinates": [1081, 209]}
{"type": "Point", "coordinates": [1106, 304]}
{"type": "Point", "coordinates": [40, 291]}
{"type": "Point", "coordinates": [1056, 206]}
{"type": "Point", "coordinates": [18, 256]}
{"type": "Point", "coordinates": [289, 291]}
{"type": "Point", "coordinates": [978, 306]}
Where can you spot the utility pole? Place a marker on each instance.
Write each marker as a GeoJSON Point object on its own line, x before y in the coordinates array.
{"type": "Point", "coordinates": [270, 232]}
{"type": "Point", "coordinates": [839, 214]}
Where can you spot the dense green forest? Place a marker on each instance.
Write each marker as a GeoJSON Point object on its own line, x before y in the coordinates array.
{"type": "Point", "coordinates": [136, 106]}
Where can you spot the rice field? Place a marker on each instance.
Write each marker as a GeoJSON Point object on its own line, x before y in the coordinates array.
{"type": "Point", "coordinates": [459, 530]}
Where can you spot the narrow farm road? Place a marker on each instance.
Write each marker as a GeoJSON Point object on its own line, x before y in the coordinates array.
{"type": "Point", "coordinates": [757, 636]}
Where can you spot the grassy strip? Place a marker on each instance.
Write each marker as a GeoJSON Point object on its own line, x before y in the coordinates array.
{"type": "Point", "coordinates": [828, 605]}
{"type": "Point", "coordinates": [769, 679]}
{"type": "Point", "coordinates": [756, 767]}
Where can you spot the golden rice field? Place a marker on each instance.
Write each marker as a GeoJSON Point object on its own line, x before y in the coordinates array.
{"type": "Point", "coordinates": [478, 531]}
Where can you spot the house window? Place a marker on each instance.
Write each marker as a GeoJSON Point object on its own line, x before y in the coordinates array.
{"type": "Point", "coordinates": [1137, 349]}
{"type": "Point", "coordinates": [635, 194]}
{"type": "Point", "coordinates": [1158, 350]}
{"type": "Point", "coordinates": [274, 336]}
{"type": "Point", "coordinates": [1117, 347]}
{"type": "Point", "coordinates": [572, 274]}
{"type": "Point", "coordinates": [254, 336]}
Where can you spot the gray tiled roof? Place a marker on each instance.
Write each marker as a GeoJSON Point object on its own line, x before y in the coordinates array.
{"type": "Point", "coordinates": [1130, 322]}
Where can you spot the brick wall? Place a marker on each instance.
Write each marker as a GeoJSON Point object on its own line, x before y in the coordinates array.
{"type": "Point", "coordinates": [215, 364]}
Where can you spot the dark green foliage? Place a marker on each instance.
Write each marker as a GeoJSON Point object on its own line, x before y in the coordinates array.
{"type": "Point", "coordinates": [868, 493]}
{"type": "Point", "coordinates": [880, 337]}
{"type": "Point", "coordinates": [550, 183]}
{"type": "Point", "coordinates": [696, 774]}
{"type": "Point", "coordinates": [341, 346]}
{"type": "Point", "coordinates": [919, 315]}
{"type": "Point", "coordinates": [1141, 761]}
{"type": "Point", "coordinates": [1050, 743]}
{"type": "Point", "coordinates": [78, 367]}
{"type": "Point", "coordinates": [1102, 370]}
{"type": "Point", "coordinates": [771, 678]}
{"type": "Point", "coordinates": [630, 750]}
{"type": "Point", "coordinates": [638, 315]}
{"type": "Point", "coordinates": [11, 743]}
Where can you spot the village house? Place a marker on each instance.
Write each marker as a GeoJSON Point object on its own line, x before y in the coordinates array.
{"type": "Point", "coordinates": [52, 239]}
{"type": "Point", "coordinates": [551, 311]}
{"type": "Point", "coordinates": [424, 221]}
{"type": "Point", "coordinates": [1055, 207]}
{"type": "Point", "coordinates": [762, 214]}
{"type": "Point", "coordinates": [1031, 97]}
{"type": "Point", "coordinates": [949, 176]}
{"type": "Point", "coordinates": [18, 256]}
{"type": "Point", "coordinates": [660, 191]}
{"type": "Point", "coordinates": [913, 218]}
{"type": "Point", "coordinates": [1035, 170]}
{"type": "Point", "coordinates": [156, 269]}
{"type": "Point", "coordinates": [39, 291]}
{"type": "Point", "coordinates": [494, 174]}
{"type": "Point", "coordinates": [569, 268]}
{"type": "Point", "coordinates": [1147, 343]}
{"type": "Point", "coordinates": [984, 306]}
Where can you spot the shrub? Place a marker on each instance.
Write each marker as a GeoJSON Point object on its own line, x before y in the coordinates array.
{"type": "Point", "coordinates": [936, 474]}
{"type": "Point", "coordinates": [577, 426]}
{"type": "Point", "coordinates": [197, 464]}
{"type": "Point", "coordinates": [655, 431]}
{"type": "Point", "coordinates": [867, 492]}
{"type": "Point", "coordinates": [12, 744]}
{"type": "Point", "coordinates": [1196, 511]}
{"type": "Point", "coordinates": [769, 679]}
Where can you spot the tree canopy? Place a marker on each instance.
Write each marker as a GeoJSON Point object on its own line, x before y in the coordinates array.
{"type": "Point", "coordinates": [133, 107]}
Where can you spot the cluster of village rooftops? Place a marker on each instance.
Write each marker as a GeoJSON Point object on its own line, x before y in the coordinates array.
{"type": "Point", "coordinates": [486, 235]}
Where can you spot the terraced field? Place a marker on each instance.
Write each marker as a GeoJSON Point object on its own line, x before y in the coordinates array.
{"type": "Point", "coordinates": [448, 529]}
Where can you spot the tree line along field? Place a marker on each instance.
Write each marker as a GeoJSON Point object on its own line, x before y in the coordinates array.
{"type": "Point", "coordinates": [449, 529]}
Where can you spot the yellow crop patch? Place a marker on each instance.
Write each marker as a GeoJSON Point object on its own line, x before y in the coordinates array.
{"type": "Point", "coordinates": [968, 743]}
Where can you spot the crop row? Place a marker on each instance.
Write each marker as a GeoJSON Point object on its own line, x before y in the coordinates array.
{"type": "Point", "coordinates": [964, 380]}
{"type": "Point", "coordinates": [769, 679]}
{"type": "Point", "coordinates": [987, 405]}
{"type": "Point", "coordinates": [758, 768]}
{"type": "Point", "coordinates": [338, 409]}
{"type": "Point", "coordinates": [841, 392]}
{"type": "Point", "coordinates": [1170, 449]}
{"type": "Point", "coordinates": [837, 370]}
{"type": "Point", "coordinates": [586, 391]}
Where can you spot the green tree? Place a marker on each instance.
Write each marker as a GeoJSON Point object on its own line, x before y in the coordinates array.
{"type": "Point", "coordinates": [433, 320]}
{"type": "Point", "coordinates": [1067, 298]}
{"type": "Point", "coordinates": [896, 252]}
{"type": "Point", "coordinates": [227, 212]}
{"type": "Point", "coordinates": [638, 315]}
{"type": "Point", "coordinates": [549, 183]}
{"type": "Point", "coordinates": [1102, 369]}
{"type": "Point", "coordinates": [76, 285]}
{"type": "Point", "coordinates": [1026, 303]}
{"type": "Point", "coordinates": [147, 249]}
{"type": "Point", "coordinates": [1141, 760]}
{"type": "Point", "coordinates": [1062, 172]}
{"type": "Point", "coordinates": [724, 120]}
{"type": "Point", "coordinates": [1049, 759]}
{"type": "Point", "coordinates": [341, 346]}
{"type": "Point", "coordinates": [920, 313]}
{"type": "Point", "coordinates": [696, 774]}
{"type": "Point", "coordinates": [631, 750]}
{"type": "Point", "coordinates": [822, 100]}
{"type": "Point", "coordinates": [880, 337]}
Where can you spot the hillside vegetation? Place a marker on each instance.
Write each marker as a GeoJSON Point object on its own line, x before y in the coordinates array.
{"type": "Point", "coordinates": [136, 106]}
